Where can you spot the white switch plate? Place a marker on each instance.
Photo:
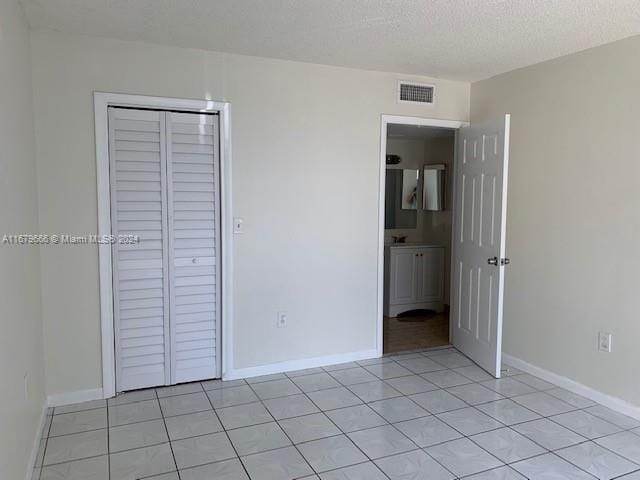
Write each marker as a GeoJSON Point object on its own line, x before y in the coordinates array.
{"type": "Point", "coordinates": [282, 319]}
{"type": "Point", "coordinates": [238, 225]}
{"type": "Point", "coordinates": [604, 342]}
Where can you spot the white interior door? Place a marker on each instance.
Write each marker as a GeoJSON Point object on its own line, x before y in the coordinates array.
{"type": "Point", "coordinates": [194, 245]}
{"type": "Point", "coordinates": [479, 242]}
{"type": "Point", "coordinates": [164, 174]}
{"type": "Point", "coordinates": [140, 273]}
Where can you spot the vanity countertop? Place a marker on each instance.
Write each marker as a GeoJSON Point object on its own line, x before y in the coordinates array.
{"type": "Point", "coordinates": [414, 245]}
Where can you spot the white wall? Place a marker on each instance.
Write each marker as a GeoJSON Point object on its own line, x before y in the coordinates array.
{"type": "Point", "coordinates": [573, 226]}
{"type": "Point", "coordinates": [21, 338]}
{"type": "Point", "coordinates": [305, 180]}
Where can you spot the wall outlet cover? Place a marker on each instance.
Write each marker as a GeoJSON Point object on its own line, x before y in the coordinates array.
{"type": "Point", "coordinates": [282, 319]}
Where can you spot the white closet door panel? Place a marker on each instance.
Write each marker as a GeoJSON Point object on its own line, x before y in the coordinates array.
{"type": "Point", "coordinates": [138, 207]}
{"type": "Point", "coordinates": [193, 205]}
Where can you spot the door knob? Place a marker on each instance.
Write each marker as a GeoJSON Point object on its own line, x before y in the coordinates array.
{"type": "Point", "coordinates": [492, 261]}
{"type": "Point", "coordinates": [505, 261]}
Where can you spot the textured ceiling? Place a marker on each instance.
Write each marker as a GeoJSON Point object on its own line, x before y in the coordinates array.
{"type": "Point", "coordinates": [455, 39]}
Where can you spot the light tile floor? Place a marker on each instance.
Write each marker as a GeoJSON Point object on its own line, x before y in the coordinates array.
{"type": "Point", "coordinates": [429, 414]}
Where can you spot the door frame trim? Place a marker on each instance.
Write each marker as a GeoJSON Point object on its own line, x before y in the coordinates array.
{"type": "Point", "coordinates": [102, 101]}
{"type": "Point", "coordinates": [384, 121]}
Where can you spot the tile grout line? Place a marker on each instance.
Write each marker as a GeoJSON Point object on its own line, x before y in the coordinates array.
{"type": "Point", "coordinates": [164, 422]}
{"type": "Point", "coordinates": [282, 429]}
{"type": "Point", "coordinates": [46, 443]}
{"type": "Point", "coordinates": [226, 433]}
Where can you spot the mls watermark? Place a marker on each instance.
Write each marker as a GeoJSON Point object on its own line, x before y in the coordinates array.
{"type": "Point", "coordinates": [68, 239]}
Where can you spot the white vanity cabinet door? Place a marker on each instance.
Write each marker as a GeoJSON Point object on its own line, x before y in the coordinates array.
{"type": "Point", "coordinates": [430, 283]}
{"type": "Point", "coordinates": [403, 284]}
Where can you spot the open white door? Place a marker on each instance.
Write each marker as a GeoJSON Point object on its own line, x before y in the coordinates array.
{"type": "Point", "coordinates": [478, 259]}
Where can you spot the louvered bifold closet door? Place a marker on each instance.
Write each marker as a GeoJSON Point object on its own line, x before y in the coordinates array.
{"type": "Point", "coordinates": [194, 245]}
{"type": "Point", "coordinates": [137, 151]}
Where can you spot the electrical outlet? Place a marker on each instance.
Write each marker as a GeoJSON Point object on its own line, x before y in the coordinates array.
{"type": "Point", "coordinates": [604, 342]}
{"type": "Point", "coordinates": [282, 319]}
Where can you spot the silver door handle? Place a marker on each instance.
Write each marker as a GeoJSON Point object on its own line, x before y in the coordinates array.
{"type": "Point", "coordinates": [492, 261]}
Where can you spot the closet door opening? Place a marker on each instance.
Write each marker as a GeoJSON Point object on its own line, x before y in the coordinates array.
{"type": "Point", "coordinates": [164, 180]}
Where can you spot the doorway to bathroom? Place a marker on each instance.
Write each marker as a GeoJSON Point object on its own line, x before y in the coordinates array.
{"type": "Point", "coordinates": [442, 235]}
{"type": "Point", "coordinates": [419, 160]}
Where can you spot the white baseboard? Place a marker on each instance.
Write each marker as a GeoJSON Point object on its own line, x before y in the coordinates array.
{"type": "Point", "coordinates": [36, 444]}
{"type": "Point", "coordinates": [300, 364]}
{"type": "Point", "coordinates": [614, 403]}
{"type": "Point", "coordinates": [67, 398]}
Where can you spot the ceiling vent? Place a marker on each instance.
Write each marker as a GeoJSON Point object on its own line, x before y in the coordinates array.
{"type": "Point", "coordinates": [420, 93]}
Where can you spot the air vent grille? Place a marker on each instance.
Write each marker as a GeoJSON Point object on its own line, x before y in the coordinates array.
{"type": "Point", "coordinates": [415, 93]}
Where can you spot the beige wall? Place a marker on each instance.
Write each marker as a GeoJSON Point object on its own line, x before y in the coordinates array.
{"type": "Point", "coordinates": [573, 226]}
{"type": "Point", "coordinates": [305, 180]}
{"type": "Point", "coordinates": [21, 338]}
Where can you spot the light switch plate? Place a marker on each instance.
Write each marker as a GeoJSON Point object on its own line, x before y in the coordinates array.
{"type": "Point", "coordinates": [238, 225]}
{"type": "Point", "coordinates": [604, 342]}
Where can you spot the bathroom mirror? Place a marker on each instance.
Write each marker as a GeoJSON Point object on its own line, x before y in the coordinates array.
{"type": "Point", "coordinates": [401, 198]}
{"type": "Point", "coordinates": [434, 187]}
